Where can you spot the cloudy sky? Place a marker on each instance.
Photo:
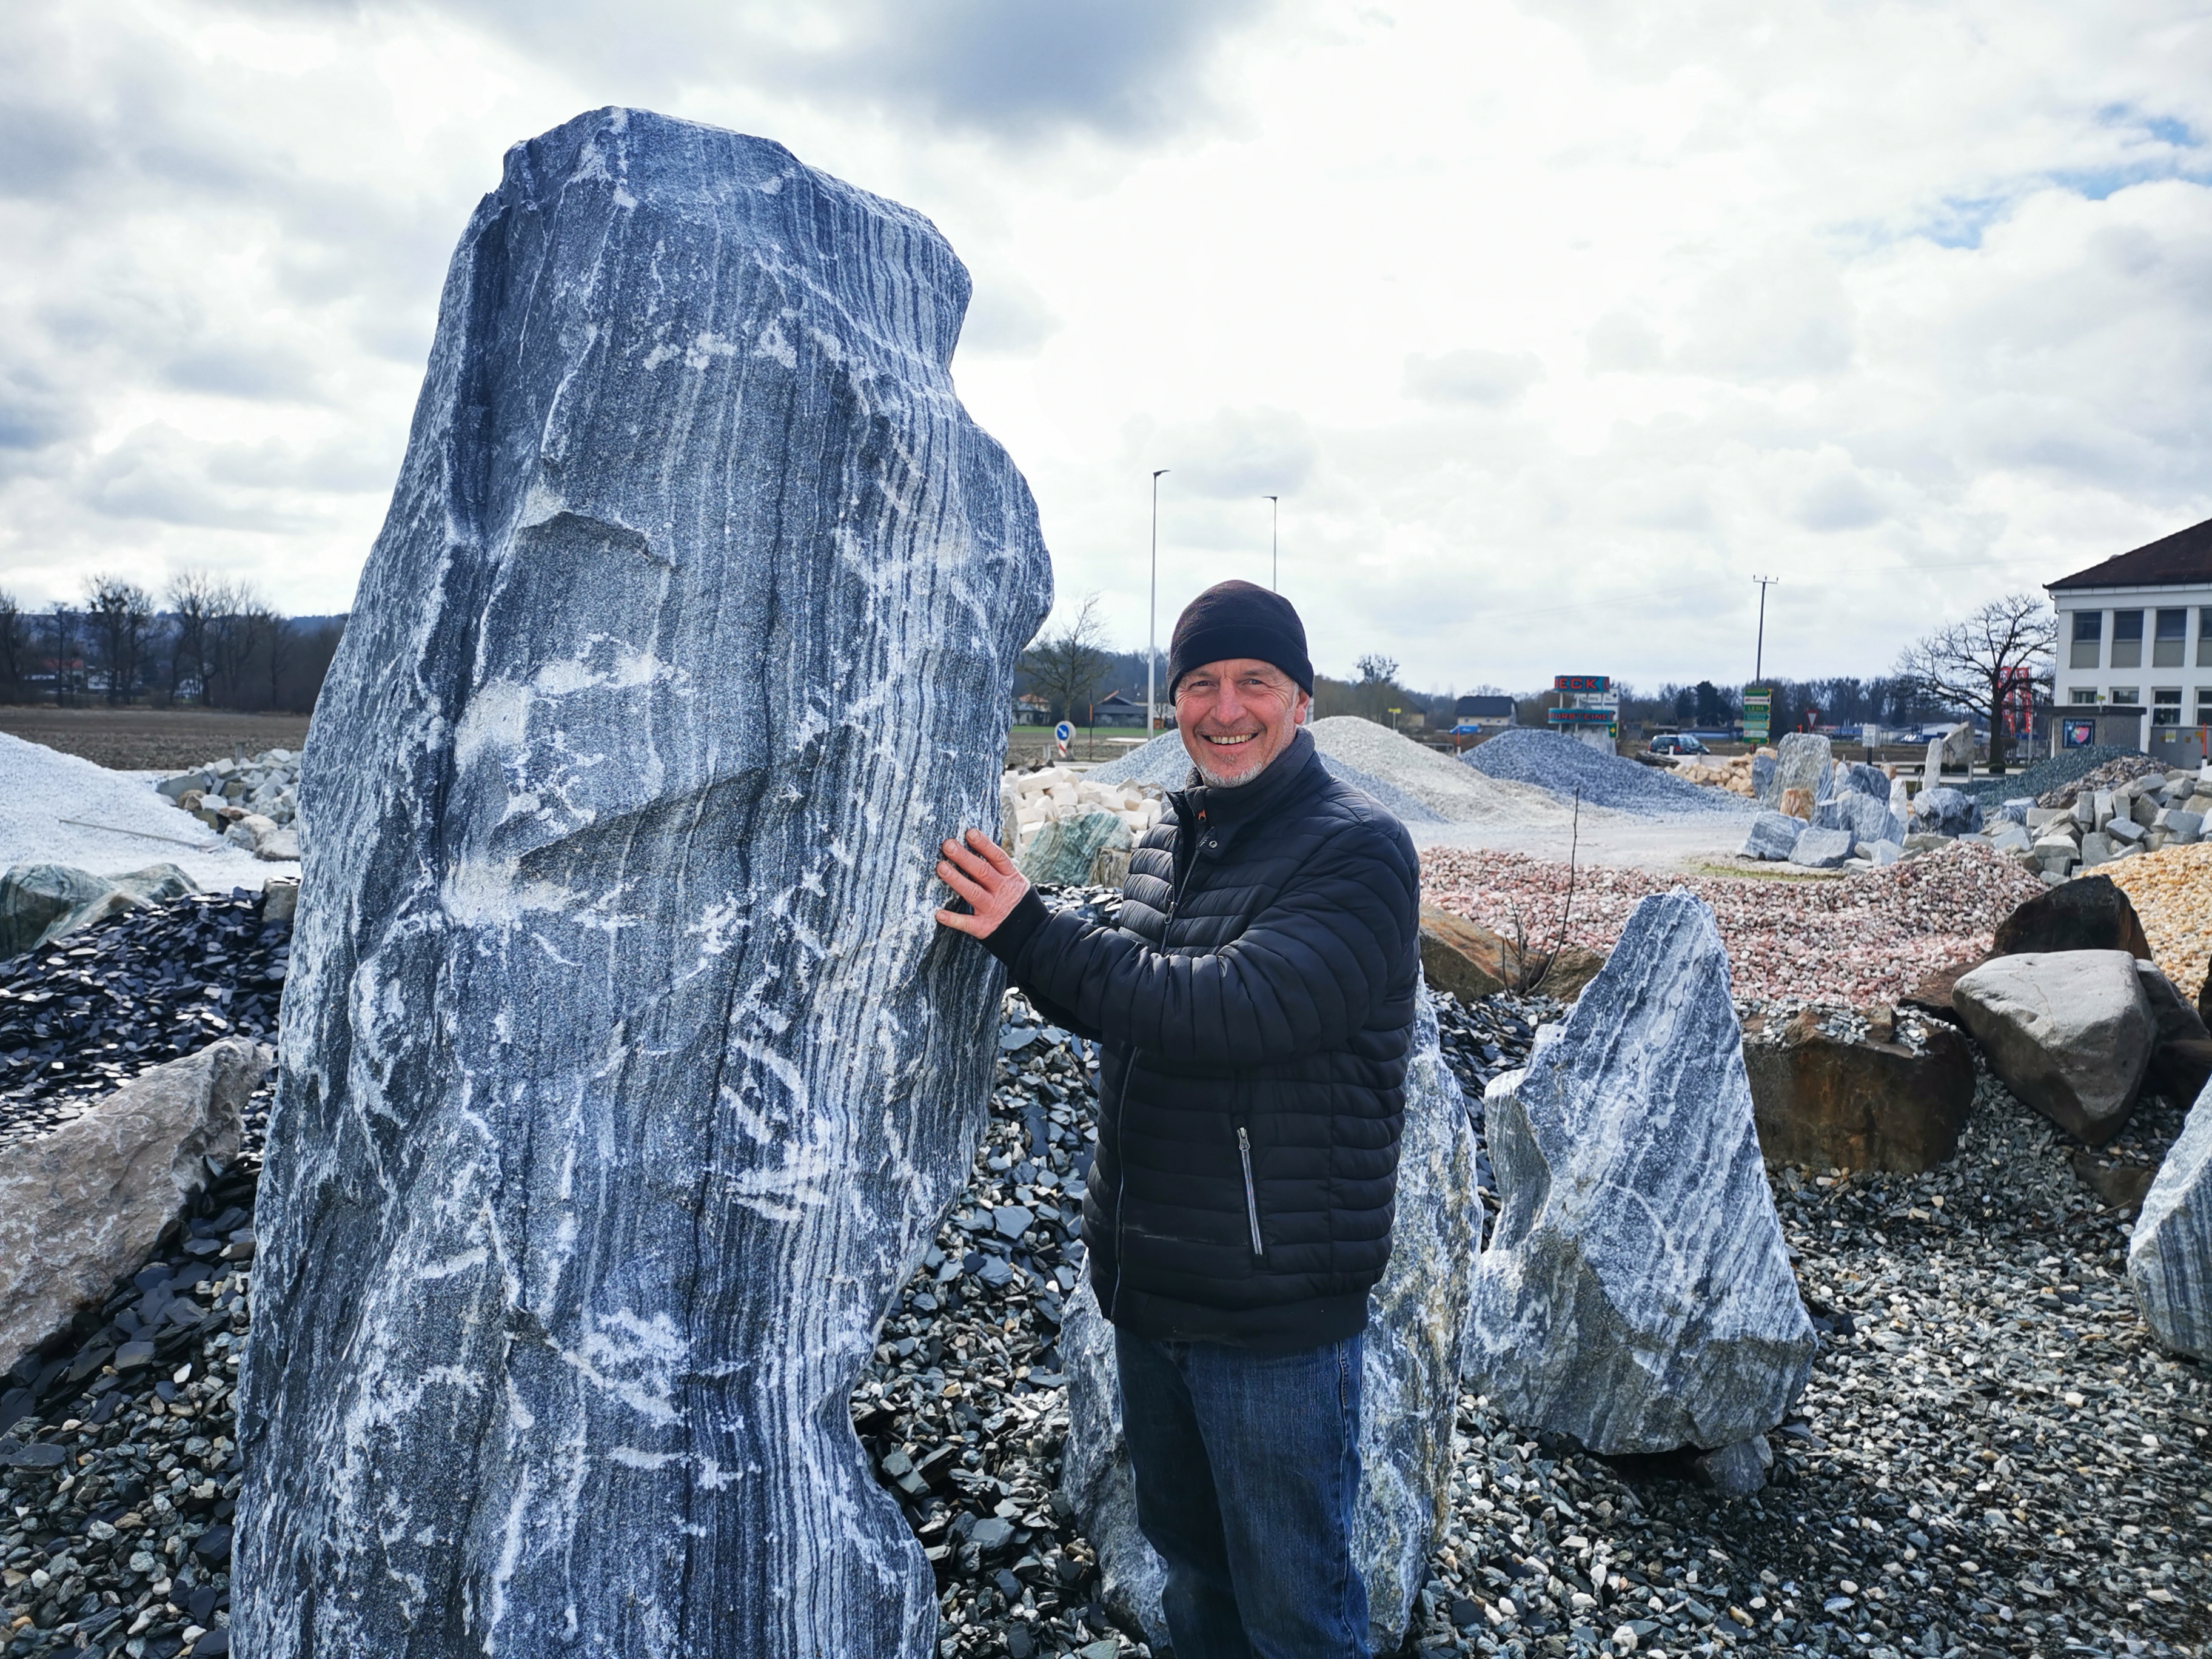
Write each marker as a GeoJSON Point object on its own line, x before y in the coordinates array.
{"type": "Point", "coordinates": [1551, 325]}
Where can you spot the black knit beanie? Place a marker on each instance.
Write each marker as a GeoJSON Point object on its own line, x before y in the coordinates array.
{"type": "Point", "coordinates": [1239, 619]}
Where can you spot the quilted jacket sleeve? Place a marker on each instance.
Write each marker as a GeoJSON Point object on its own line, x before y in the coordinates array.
{"type": "Point", "coordinates": [1302, 979]}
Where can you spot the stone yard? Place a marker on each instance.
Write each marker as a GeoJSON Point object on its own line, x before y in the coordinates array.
{"type": "Point", "coordinates": [1991, 1456]}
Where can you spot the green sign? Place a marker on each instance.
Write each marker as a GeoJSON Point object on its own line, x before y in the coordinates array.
{"type": "Point", "coordinates": [1757, 713]}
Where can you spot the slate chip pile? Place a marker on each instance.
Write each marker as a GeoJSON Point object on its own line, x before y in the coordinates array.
{"type": "Point", "coordinates": [1566, 765]}
{"type": "Point", "coordinates": [117, 1467]}
{"type": "Point", "coordinates": [2056, 781]}
{"type": "Point", "coordinates": [95, 1009]}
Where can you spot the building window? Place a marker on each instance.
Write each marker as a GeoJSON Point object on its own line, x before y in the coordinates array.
{"type": "Point", "coordinates": [2089, 638]}
{"type": "Point", "coordinates": [2127, 639]}
{"type": "Point", "coordinates": [2169, 637]}
{"type": "Point", "coordinates": [2204, 707]}
{"type": "Point", "coordinates": [2166, 705]}
{"type": "Point", "coordinates": [2082, 694]}
{"type": "Point", "coordinates": [2128, 696]}
{"type": "Point", "coordinates": [2204, 640]}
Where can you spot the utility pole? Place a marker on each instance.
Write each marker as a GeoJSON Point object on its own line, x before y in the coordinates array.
{"type": "Point", "coordinates": [1153, 616]}
{"type": "Point", "coordinates": [1758, 653]}
{"type": "Point", "coordinates": [1275, 546]}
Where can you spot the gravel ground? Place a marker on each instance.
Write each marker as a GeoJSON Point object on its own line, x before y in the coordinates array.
{"type": "Point", "coordinates": [1866, 936]}
{"type": "Point", "coordinates": [2172, 891]}
{"type": "Point", "coordinates": [121, 824]}
{"type": "Point", "coordinates": [1562, 766]}
{"type": "Point", "coordinates": [1991, 1457]}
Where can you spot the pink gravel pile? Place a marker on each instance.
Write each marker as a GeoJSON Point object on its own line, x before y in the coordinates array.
{"type": "Point", "coordinates": [1866, 938]}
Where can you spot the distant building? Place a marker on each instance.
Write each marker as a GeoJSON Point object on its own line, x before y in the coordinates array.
{"type": "Point", "coordinates": [2135, 648]}
{"type": "Point", "coordinates": [1481, 713]}
{"type": "Point", "coordinates": [1117, 709]}
{"type": "Point", "coordinates": [1032, 711]}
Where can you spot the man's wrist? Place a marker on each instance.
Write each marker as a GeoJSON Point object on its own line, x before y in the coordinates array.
{"type": "Point", "coordinates": [1008, 939]}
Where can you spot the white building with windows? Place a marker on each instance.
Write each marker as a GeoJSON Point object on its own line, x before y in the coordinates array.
{"type": "Point", "coordinates": [2135, 637]}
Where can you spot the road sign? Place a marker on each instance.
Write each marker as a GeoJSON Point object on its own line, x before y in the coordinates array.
{"type": "Point", "coordinates": [1585, 682]}
{"type": "Point", "coordinates": [1061, 734]}
{"type": "Point", "coordinates": [1757, 713]}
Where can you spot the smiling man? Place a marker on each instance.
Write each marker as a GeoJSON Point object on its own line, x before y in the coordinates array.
{"type": "Point", "coordinates": [1255, 1010]}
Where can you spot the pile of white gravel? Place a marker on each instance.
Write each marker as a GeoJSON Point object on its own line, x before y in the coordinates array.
{"type": "Point", "coordinates": [59, 809]}
{"type": "Point", "coordinates": [1418, 785]}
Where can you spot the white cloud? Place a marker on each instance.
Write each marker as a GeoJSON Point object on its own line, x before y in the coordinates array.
{"type": "Point", "coordinates": [1549, 325]}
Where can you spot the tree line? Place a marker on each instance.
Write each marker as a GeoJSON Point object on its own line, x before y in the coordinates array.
{"type": "Point", "coordinates": [204, 642]}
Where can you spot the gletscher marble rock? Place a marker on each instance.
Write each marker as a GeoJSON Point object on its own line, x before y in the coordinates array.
{"type": "Point", "coordinates": [2170, 1252]}
{"type": "Point", "coordinates": [1416, 1334]}
{"type": "Point", "coordinates": [1637, 1293]}
{"type": "Point", "coordinates": [625, 1072]}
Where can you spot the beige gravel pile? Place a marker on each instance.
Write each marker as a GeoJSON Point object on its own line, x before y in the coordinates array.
{"type": "Point", "coordinates": [2172, 891]}
{"type": "Point", "coordinates": [1868, 937]}
{"type": "Point", "coordinates": [1456, 793]}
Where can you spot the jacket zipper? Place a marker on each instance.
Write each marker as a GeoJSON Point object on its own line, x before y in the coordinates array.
{"type": "Point", "coordinates": [1251, 1195]}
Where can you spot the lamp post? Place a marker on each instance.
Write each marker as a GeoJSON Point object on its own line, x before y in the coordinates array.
{"type": "Point", "coordinates": [1759, 652]}
{"type": "Point", "coordinates": [1275, 545]}
{"type": "Point", "coordinates": [1153, 616]}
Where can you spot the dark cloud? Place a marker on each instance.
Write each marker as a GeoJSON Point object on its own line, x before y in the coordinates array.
{"type": "Point", "coordinates": [1007, 69]}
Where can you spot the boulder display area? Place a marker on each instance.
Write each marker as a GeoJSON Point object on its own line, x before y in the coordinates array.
{"type": "Point", "coordinates": [1990, 1454]}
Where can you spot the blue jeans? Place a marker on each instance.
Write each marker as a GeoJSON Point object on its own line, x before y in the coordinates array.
{"type": "Point", "coordinates": [1247, 1468]}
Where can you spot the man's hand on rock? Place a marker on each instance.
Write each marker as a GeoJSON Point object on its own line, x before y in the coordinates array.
{"type": "Point", "coordinates": [981, 873]}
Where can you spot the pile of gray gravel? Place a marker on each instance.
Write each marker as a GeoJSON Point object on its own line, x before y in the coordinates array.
{"type": "Point", "coordinates": [1562, 766]}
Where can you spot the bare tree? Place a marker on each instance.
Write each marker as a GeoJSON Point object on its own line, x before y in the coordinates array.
{"type": "Point", "coordinates": [13, 643]}
{"type": "Point", "coordinates": [119, 613]}
{"type": "Point", "coordinates": [1066, 668]}
{"type": "Point", "coordinates": [276, 652]}
{"type": "Point", "coordinates": [194, 597]}
{"type": "Point", "coordinates": [61, 646]}
{"type": "Point", "coordinates": [1977, 665]}
{"type": "Point", "coordinates": [1376, 669]}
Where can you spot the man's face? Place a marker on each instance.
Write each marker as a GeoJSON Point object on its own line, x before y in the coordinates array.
{"type": "Point", "coordinates": [1236, 716]}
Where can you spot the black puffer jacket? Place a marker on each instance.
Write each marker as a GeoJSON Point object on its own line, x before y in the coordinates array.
{"type": "Point", "coordinates": [1255, 1010]}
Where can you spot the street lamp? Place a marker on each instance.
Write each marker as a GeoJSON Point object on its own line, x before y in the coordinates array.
{"type": "Point", "coordinates": [1275, 546]}
{"type": "Point", "coordinates": [1153, 616]}
{"type": "Point", "coordinates": [1758, 652]}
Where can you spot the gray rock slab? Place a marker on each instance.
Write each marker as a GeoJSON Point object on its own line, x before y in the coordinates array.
{"type": "Point", "coordinates": [1944, 810]}
{"type": "Point", "coordinates": [2169, 1251]}
{"type": "Point", "coordinates": [1821, 849]}
{"type": "Point", "coordinates": [83, 1208]}
{"type": "Point", "coordinates": [1772, 837]}
{"type": "Point", "coordinates": [1802, 761]}
{"type": "Point", "coordinates": [1858, 778]}
{"type": "Point", "coordinates": [626, 1075]}
{"type": "Point", "coordinates": [2070, 1032]}
{"type": "Point", "coordinates": [1637, 1293]}
{"type": "Point", "coordinates": [1417, 1332]}
{"type": "Point", "coordinates": [42, 902]}
{"type": "Point", "coordinates": [1765, 785]}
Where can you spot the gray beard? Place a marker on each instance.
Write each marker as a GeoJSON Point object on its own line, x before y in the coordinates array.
{"type": "Point", "coordinates": [1213, 780]}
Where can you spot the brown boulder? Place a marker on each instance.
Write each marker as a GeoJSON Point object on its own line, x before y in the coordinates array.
{"type": "Point", "coordinates": [84, 1206]}
{"type": "Point", "coordinates": [2180, 1070]}
{"type": "Point", "coordinates": [1797, 804]}
{"type": "Point", "coordinates": [2087, 914]}
{"type": "Point", "coordinates": [1462, 957]}
{"type": "Point", "coordinates": [1471, 960]}
{"type": "Point", "coordinates": [1827, 1101]}
{"type": "Point", "coordinates": [1932, 993]}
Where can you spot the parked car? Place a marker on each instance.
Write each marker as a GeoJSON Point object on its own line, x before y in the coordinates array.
{"type": "Point", "coordinates": [1678, 743]}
